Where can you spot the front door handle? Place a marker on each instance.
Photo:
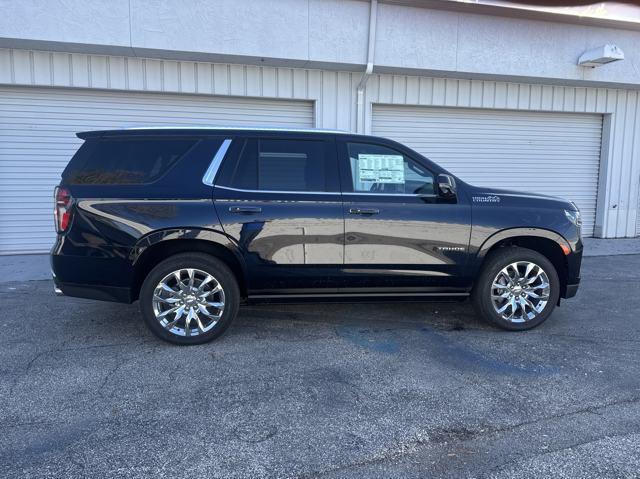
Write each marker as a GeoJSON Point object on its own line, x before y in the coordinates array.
{"type": "Point", "coordinates": [245, 209]}
{"type": "Point", "coordinates": [364, 211]}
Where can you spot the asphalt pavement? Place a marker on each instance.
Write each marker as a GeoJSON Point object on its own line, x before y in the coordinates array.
{"type": "Point", "coordinates": [324, 390]}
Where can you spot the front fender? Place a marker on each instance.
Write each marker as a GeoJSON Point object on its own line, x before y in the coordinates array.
{"type": "Point", "coordinates": [520, 232]}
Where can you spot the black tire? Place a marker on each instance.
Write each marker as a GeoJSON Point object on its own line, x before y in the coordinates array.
{"type": "Point", "coordinates": [494, 263]}
{"type": "Point", "coordinates": [207, 264]}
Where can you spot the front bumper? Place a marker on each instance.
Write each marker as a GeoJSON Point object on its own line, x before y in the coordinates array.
{"type": "Point", "coordinates": [572, 290]}
{"type": "Point", "coordinates": [573, 264]}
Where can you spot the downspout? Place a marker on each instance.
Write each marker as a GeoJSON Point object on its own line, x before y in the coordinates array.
{"type": "Point", "coordinates": [373, 13]}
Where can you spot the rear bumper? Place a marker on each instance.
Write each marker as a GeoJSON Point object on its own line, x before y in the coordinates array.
{"type": "Point", "coordinates": [76, 276]}
{"type": "Point", "coordinates": [98, 292]}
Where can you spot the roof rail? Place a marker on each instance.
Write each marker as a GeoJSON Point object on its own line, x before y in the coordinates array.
{"type": "Point", "coordinates": [243, 128]}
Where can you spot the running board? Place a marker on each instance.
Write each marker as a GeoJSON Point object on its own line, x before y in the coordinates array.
{"type": "Point", "coordinates": [357, 295]}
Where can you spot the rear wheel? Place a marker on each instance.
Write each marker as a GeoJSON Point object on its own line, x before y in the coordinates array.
{"type": "Point", "coordinates": [517, 289]}
{"type": "Point", "coordinates": [189, 298]}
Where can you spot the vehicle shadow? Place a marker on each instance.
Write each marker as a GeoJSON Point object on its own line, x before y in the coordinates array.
{"type": "Point", "coordinates": [122, 322]}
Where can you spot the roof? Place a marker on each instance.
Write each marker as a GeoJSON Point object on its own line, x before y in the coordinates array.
{"type": "Point", "coordinates": [86, 134]}
{"type": "Point", "coordinates": [608, 14]}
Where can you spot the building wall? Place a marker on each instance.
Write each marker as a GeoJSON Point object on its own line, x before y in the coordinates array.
{"type": "Point", "coordinates": [333, 92]}
{"type": "Point", "coordinates": [618, 193]}
{"type": "Point", "coordinates": [334, 95]}
{"type": "Point", "coordinates": [327, 34]}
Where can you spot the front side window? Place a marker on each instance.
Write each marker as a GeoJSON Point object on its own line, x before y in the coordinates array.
{"type": "Point", "coordinates": [281, 165]}
{"type": "Point", "coordinates": [382, 170]}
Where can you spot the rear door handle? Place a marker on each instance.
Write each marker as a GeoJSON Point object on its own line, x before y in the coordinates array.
{"type": "Point", "coordinates": [364, 211]}
{"type": "Point", "coordinates": [245, 209]}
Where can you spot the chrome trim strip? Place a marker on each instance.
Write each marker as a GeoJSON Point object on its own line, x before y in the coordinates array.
{"type": "Point", "coordinates": [369, 193]}
{"type": "Point", "coordinates": [281, 192]}
{"type": "Point", "coordinates": [323, 192]}
{"type": "Point", "coordinates": [211, 172]}
{"type": "Point", "coordinates": [407, 272]}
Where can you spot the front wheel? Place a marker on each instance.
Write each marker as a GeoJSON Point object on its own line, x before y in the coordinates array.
{"type": "Point", "coordinates": [189, 298]}
{"type": "Point", "coordinates": [517, 289]}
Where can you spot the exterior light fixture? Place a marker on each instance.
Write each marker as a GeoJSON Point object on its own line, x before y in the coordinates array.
{"type": "Point", "coordinates": [600, 56]}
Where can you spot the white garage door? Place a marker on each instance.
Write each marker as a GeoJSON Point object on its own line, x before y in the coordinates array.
{"type": "Point", "coordinates": [552, 153]}
{"type": "Point", "coordinates": [638, 215]}
{"type": "Point", "coordinates": [37, 139]}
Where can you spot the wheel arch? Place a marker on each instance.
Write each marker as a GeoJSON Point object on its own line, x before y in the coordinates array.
{"type": "Point", "coordinates": [160, 245]}
{"type": "Point", "coordinates": [546, 242]}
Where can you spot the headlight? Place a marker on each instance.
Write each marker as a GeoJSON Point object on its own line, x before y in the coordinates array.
{"type": "Point", "coordinates": [574, 217]}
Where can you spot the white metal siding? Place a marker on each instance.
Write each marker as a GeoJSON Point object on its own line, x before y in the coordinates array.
{"type": "Point", "coordinates": [334, 96]}
{"type": "Point", "coordinates": [620, 172]}
{"type": "Point", "coordinates": [551, 153]}
{"type": "Point", "coordinates": [37, 139]}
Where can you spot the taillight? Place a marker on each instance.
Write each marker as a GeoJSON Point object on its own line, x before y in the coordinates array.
{"type": "Point", "coordinates": [62, 210]}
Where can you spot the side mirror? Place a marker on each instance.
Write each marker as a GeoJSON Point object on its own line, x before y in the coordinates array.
{"type": "Point", "coordinates": [447, 186]}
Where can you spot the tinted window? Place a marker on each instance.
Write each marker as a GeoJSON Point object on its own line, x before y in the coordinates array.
{"type": "Point", "coordinates": [245, 171]}
{"type": "Point", "coordinates": [125, 161]}
{"type": "Point", "coordinates": [281, 165]}
{"type": "Point", "coordinates": [378, 169]}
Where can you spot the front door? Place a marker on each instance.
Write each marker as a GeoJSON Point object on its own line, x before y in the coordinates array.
{"type": "Point", "coordinates": [279, 199]}
{"type": "Point", "coordinates": [400, 234]}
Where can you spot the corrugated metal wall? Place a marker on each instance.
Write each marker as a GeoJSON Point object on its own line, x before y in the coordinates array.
{"type": "Point", "coordinates": [620, 161]}
{"type": "Point", "coordinates": [553, 153]}
{"type": "Point", "coordinates": [333, 92]}
{"type": "Point", "coordinates": [37, 139]}
{"type": "Point", "coordinates": [334, 97]}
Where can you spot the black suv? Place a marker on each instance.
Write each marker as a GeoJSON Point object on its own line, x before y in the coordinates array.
{"type": "Point", "coordinates": [192, 221]}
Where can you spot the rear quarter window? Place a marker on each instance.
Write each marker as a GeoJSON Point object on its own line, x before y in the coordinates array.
{"type": "Point", "coordinates": [125, 161]}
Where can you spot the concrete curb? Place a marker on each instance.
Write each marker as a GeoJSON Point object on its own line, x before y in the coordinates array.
{"type": "Point", "coordinates": [611, 247]}
{"type": "Point", "coordinates": [24, 267]}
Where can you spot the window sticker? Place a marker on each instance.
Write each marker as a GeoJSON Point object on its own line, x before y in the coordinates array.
{"type": "Point", "coordinates": [388, 169]}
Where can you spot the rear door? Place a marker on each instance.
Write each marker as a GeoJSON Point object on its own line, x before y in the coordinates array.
{"type": "Point", "coordinates": [279, 198]}
{"type": "Point", "coordinates": [400, 235]}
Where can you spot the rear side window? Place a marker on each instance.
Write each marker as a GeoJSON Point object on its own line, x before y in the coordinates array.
{"type": "Point", "coordinates": [281, 165]}
{"type": "Point", "coordinates": [120, 161]}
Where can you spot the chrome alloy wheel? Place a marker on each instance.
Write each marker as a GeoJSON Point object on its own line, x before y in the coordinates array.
{"type": "Point", "coordinates": [188, 302]}
{"type": "Point", "coordinates": [520, 291]}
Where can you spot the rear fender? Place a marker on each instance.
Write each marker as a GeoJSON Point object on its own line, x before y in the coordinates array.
{"type": "Point", "coordinates": [171, 234]}
{"type": "Point", "coordinates": [172, 241]}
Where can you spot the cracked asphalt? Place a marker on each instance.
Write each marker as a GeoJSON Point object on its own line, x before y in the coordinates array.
{"type": "Point", "coordinates": [324, 390]}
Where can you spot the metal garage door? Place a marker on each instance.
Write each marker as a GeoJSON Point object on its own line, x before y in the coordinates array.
{"type": "Point", "coordinates": [638, 215]}
{"type": "Point", "coordinates": [37, 139]}
{"type": "Point", "coordinates": [551, 153]}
